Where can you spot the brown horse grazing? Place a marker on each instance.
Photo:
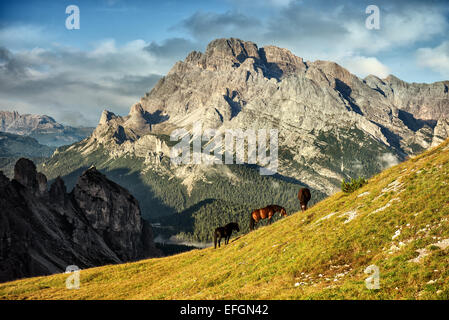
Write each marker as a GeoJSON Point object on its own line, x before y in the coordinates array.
{"type": "Point", "coordinates": [264, 213]}
{"type": "Point", "coordinates": [225, 232]}
{"type": "Point", "coordinates": [304, 197]}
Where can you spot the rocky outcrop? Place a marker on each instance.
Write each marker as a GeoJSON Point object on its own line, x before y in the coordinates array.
{"type": "Point", "coordinates": [3, 180]}
{"type": "Point", "coordinates": [58, 191]}
{"type": "Point", "coordinates": [114, 213]}
{"type": "Point", "coordinates": [43, 232]}
{"type": "Point", "coordinates": [441, 131]}
{"type": "Point", "coordinates": [25, 173]}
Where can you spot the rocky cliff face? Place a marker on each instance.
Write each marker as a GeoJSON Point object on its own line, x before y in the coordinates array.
{"type": "Point", "coordinates": [114, 213]}
{"type": "Point", "coordinates": [422, 100]}
{"type": "Point", "coordinates": [44, 231]}
{"type": "Point", "coordinates": [321, 110]}
{"type": "Point", "coordinates": [41, 127]}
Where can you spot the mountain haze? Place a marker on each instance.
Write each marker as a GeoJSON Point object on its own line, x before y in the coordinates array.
{"type": "Point", "coordinates": [14, 145]}
{"type": "Point", "coordinates": [41, 127]}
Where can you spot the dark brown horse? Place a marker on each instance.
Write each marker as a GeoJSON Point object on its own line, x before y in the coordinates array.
{"type": "Point", "coordinates": [265, 213]}
{"type": "Point", "coordinates": [225, 232]}
{"type": "Point", "coordinates": [304, 197]}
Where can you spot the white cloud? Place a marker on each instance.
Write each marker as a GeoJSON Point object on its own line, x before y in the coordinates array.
{"type": "Point", "coordinates": [397, 29]}
{"type": "Point", "coordinates": [387, 160]}
{"type": "Point", "coordinates": [363, 66]}
{"type": "Point", "coordinates": [436, 58]}
{"type": "Point", "coordinates": [25, 36]}
{"type": "Point", "coordinates": [64, 81]}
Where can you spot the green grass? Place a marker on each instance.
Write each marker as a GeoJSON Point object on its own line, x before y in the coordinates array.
{"type": "Point", "coordinates": [324, 251]}
{"type": "Point", "coordinates": [354, 184]}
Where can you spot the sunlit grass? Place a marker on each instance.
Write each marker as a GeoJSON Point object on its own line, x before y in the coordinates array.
{"type": "Point", "coordinates": [320, 254]}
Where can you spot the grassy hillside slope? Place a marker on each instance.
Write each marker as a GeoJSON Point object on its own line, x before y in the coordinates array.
{"type": "Point", "coordinates": [398, 221]}
{"type": "Point", "coordinates": [195, 223]}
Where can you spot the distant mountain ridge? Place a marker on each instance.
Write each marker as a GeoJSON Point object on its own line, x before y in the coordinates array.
{"type": "Point", "coordinates": [13, 145]}
{"type": "Point", "coordinates": [42, 127]}
{"type": "Point", "coordinates": [332, 125]}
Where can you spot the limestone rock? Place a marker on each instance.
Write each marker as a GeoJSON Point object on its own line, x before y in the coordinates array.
{"type": "Point", "coordinates": [58, 191]}
{"type": "Point", "coordinates": [441, 131]}
{"type": "Point", "coordinates": [113, 212]}
{"type": "Point", "coordinates": [44, 232]}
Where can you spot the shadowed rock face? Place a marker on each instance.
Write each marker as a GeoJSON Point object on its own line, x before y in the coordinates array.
{"type": "Point", "coordinates": [43, 232]}
{"type": "Point", "coordinates": [25, 173]}
{"type": "Point", "coordinates": [113, 212]}
{"type": "Point", "coordinates": [16, 146]}
{"type": "Point", "coordinates": [58, 190]}
{"type": "Point", "coordinates": [3, 180]}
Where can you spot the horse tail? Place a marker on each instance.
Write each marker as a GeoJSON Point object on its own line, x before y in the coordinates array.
{"type": "Point", "coordinates": [215, 240]}
{"type": "Point", "coordinates": [251, 222]}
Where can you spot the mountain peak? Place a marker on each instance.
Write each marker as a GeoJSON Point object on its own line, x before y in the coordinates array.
{"type": "Point", "coordinates": [232, 47]}
{"type": "Point", "coordinates": [393, 79]}
{"type": "Point", "coordinates": [106, 116]}
{"type": "Point", "coordinates": [231, 53]}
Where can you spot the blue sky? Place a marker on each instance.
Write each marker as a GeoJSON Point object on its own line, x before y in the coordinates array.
{"type": "Point", "coordinates": [122, 20]}
{"type": "Point", "coordinates": [123, 47]}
